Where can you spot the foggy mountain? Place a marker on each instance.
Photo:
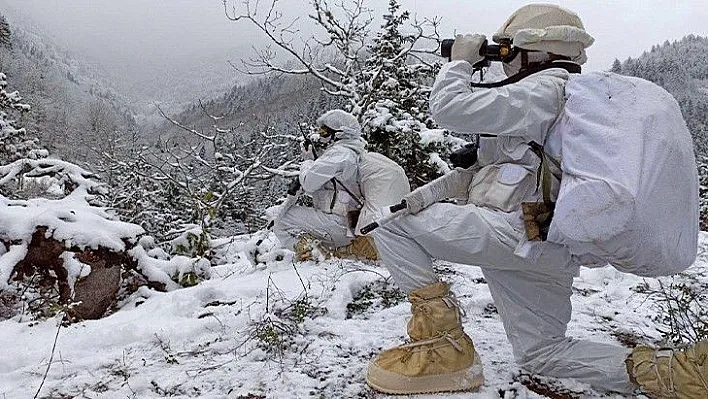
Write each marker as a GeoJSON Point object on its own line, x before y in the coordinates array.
{"type": "Point", "coordinates": [149, 62]}
{"type": "Point", "coordinates": [73, 102]}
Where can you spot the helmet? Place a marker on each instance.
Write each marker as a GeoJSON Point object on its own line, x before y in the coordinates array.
{"type": "Point", "coordinates": [548, 28]}
{"type": "Point", "coordinates": [340, 123]}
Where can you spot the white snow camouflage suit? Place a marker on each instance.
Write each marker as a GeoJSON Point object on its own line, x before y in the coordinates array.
{"type": "Point", "coordinates": [327, 221]}
{"type": "Point", "coordinates": [531, 289]}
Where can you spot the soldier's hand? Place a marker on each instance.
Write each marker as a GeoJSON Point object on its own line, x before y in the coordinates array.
{"type": "Point", "coordinates": [307, 150]}
{"type": "Point", "coordinates": [467, 48]}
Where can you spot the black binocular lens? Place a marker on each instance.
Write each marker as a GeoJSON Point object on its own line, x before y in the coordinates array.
{"type": "Point", "coordinates": [491, 52]}
{"type": "Point", "coordinates": [446, 47]}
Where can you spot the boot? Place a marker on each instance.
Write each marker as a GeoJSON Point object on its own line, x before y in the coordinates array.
{"type": "Point", "coordinates": [361, 247]}
{"type": "Point", "coordinates": [668, 373]}
{"type": "Point", "coordinates": [440, 356]}
{"type": "Point", "coordinates": [307, 248]}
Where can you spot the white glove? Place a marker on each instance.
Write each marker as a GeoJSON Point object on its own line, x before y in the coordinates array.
{"type": "Point", "coordinates": [306, 151]}
{"type": "Point", "coordinates": [466, 48]}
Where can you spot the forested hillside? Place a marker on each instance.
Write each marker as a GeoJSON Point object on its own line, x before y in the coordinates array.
{"type": "Point", "coordinates": [74, 109]}
{"type": "Point", "coordinates": [680, 67]}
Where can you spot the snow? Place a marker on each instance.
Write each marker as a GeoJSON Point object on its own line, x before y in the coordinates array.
{"type": "Point", "coordinates": [70, 219]}
{"type": "Point", "coordinates": [8, 260]}
{"type": "Point", "coordinates": [201, 341]}
{"type": "Point", "coordinates": [440, 136]}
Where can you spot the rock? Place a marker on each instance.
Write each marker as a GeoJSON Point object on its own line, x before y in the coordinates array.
{"type": "Point", "coordinates": [97, 291]}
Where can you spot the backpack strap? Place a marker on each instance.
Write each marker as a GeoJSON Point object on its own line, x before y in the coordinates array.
{"type": "Point", "coordinates": [568, 66]}
{"type": "Point", "coordinates": [351, 194]}
{"type": "Point", "coordinates": [356, 198]}
{"type": "Point", "coordinates": [544, 174]}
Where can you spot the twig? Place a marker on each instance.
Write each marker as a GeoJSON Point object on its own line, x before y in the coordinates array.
{"type": "Point", "coordinates": [51, 358]}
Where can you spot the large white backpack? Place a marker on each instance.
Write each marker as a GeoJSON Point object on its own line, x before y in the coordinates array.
{"type": "Point", "coordinates": [629, 190]}
{"type": "Point", "coordinates": [382, 183]}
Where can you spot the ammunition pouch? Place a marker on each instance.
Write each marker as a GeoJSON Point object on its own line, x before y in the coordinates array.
{"type": "Point", "coordinates": [537, 219]}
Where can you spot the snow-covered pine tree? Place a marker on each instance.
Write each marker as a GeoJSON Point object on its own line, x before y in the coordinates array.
{"type": "Point", "coordinates": [394, 93]}
{"type": "Point", "coordinates": [379, 83]}
{"type": "Point", "coordinates": [14, 143]}
{"type": "Point", "coordinates": [616, 66]}
{"type": "Point", "coordinates": [4, 32]}
{"type": "Point", "coordinates": [703, 192]}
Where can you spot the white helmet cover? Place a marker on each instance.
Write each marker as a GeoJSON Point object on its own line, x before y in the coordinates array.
{"type": "Point", "coordinates": [343, 122]}
{"type": "Point", "coordinates": [549, 28]}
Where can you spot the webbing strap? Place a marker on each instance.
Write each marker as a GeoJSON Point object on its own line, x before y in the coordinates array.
{"type": "Point", "coordinates": [543, 177]}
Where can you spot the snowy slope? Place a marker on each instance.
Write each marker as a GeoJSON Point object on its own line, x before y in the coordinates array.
{"type": "Point", "coordinates": [210, 340]}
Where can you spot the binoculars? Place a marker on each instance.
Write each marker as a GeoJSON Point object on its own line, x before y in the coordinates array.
{"type": "Point", "coordinates": [491, 52]}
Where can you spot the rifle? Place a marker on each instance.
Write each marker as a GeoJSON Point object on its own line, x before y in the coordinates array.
{"type": "Point", "coordinates": [445, 186]}
{"type": "Point", "coordinates": [396, 211]}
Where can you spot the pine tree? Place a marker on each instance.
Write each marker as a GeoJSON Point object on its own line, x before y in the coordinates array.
{"type": "Point", "coordinates": [4, 32]}
{"type": "Point", "coordinates": [15, 144]}
{"type": "Point", "coordinates": [616, 66]}
{"type": "Point", "coordinates": [394, 106]}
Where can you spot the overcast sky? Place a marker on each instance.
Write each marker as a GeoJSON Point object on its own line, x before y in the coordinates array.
{"type": "Point", "coordinates": [137, 35]}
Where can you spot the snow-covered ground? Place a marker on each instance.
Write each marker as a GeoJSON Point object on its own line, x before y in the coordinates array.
{"type": "Point", "coordinates": [283, 330]}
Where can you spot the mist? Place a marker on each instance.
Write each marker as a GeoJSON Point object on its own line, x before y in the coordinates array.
{"type": "Point", "coordinates": [181, 50]}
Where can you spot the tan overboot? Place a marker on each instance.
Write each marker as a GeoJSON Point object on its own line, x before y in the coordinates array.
{"type": "Point", "coordinates": [668, 373]}
{"type": "Point", "coordinates": [306, 247]}
{"type": "Point", "coordinates": [361, 247]}
{"type": "Point", "coordinates": [440, 357]}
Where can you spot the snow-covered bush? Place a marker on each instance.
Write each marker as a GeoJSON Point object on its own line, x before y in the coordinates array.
{"type": "Point", "coordinates": [681, 304]}
{"type": "Point", "coordinates": [191, 178]}
{"type": "Point", "coordinates": [394, 108]}
{"type": "Point", "coordinates": [703, 192]}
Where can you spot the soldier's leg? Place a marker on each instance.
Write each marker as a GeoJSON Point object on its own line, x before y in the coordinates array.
{"type": "Point", "coordinates": [535, 309]}
{"type": "Point", "coordinates": [463, 234]}
{"type": "Point", "coordinates": [331, 230]}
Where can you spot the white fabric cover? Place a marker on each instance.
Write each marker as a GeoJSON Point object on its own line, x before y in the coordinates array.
{"type": "Point", "coordinates": [374, 179]}
{"type": "Point", "coordinates": [563, 40]}
{"type": "Point", "coordinates": [454, 185]}
{"type": "Point", "coordinates": [532, 296]}
{"type": "Point", "coordinates": [331, 230]}
{"type": "Point", "coordinates": [508, 165]}
{"type": "Point", "coordinates": [537, 16]}
{"type": "Point", "coordinates": [382, 183]}
{"type": "Point", "coordinates": [327, 220]}
{"type": "Point", "coordinates": [629, 192]}
{"type": "Point", "coordinates": [549, 28]}
{"type": "Point", "coordinates": [346, 124]}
